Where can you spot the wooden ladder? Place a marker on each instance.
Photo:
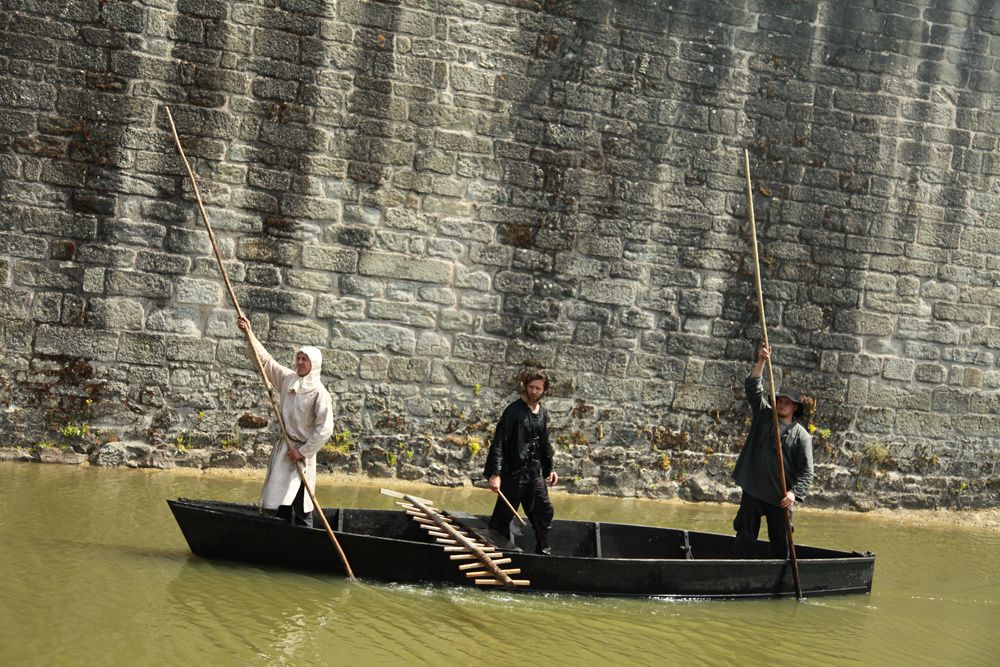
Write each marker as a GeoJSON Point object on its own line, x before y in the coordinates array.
{"type": "Point", "coordinates": [453, 539]}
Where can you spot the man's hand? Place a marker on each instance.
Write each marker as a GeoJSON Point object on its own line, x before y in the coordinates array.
{"type": "Point", "coordinates": [763, 354]}
{"type": "Point", "coordinates": [553, 478]}
{"type": "Point", "coordinates": [788, 501]}
{"type": "Point", "coordinates": [294, 455]}
{"type": "Point", "coordinates": [244, 324]}
{"type": "Point", "coordinates": [495, 483]}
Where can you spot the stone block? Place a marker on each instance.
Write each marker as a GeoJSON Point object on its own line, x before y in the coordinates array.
{"type": "Point", "coordinates": [45, 307]}
{"type": "Point", "coordinates": [404, 267]}
{"type": "Point", "coordinates": [374, 367]}
{"type": "Point", "coordinates": [412, 314]}
{"type": "Point", "coordinates": [329, 258]}
{"type": "Point", "coordinates": [14, 303]}
{"type": "Point", "coordinates": [479, 348]}
{"type": "Point", "coordinates": [194, 290]}
{"type": "Point", "coordinates": [137, 283]}
{"type": "Point", "coordinates": [274, 300]}
{"type": "Point", "coordinates": [158, 262]}
{"type": "Point", "coordinates": [432, 344]}
{"type": "Point", "coordinates": [863, 323]}
{"type": "Point", "coordinates": [116, 314]}
{"type": "Point", "coordinates": [615, 292]}
{"type": "Point", "coordinates": [339, 308]}
{"type": "Point", "coordinates": [268, 251]}
{"type": "Point", "coordinates": [315, 281]}
{"type": "Point", "coordinates": [403, 369]}
{"type": "Point", "coordinates": [184, 241]}
{"type": "Point", "coordinates": [141, 348]}
{"type": "Point", "coordinates": [369, 337]}
{"type": "Point", "coordinates": [299, 332]}
{"type": "Point", "coordinates": [190, 349]}
{"type": "Point", "coordinates": [76, 342]}
{"type": "Point", "coordinates": [898, 369]}
{"type": "Point", "coordinates": [185, 321]}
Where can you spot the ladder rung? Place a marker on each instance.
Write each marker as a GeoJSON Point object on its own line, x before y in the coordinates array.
{"type": "Point", "coordinates": [496, 561]}
{"type": "Point", "coordinates": [495, 582]}
{"type": "Point", "coordinates": [471, 575]}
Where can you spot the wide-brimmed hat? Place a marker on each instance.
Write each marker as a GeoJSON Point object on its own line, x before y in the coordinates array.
{"type": "Point", "coordinates": [791, 393]}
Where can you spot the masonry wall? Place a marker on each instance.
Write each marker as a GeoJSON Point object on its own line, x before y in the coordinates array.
{"type": "Point", "coordinates": [438, 192]}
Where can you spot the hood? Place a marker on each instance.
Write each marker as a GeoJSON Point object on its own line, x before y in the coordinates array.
{"type": "Point", "coordinates": [310, 382]}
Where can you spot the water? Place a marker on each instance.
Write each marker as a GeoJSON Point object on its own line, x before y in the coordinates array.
{"type": "Point", "coordinates": [96, 572]}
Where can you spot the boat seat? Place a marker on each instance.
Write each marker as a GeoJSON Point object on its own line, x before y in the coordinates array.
{"type": "Point", "coordinates": [473, 524]}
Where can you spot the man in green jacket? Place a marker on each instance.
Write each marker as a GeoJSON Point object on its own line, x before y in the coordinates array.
{"type": "Point", "coordinates": [757, 471]}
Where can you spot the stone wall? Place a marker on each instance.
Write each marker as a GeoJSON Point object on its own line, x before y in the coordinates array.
{"type": "Point", "coordinates": [437, 192]}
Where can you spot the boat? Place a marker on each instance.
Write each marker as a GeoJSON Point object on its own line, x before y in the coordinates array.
{"type": "Point", "coordinates": [411, 546]}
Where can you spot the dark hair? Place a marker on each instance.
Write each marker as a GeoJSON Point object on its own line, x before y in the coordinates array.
{"type": "Point", "coordinates": [529, 375]}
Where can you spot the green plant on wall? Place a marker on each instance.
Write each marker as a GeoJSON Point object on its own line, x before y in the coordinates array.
{"type": "Point", "coordinates": [474, 444]}
{"type": "Point", "coordinates": [820, 432]}
{"type": "Point", "coordinates": [821, 438]}
{"type": "Point", "coordinates": [229, 441]}
{"type": "Point", "coordinates": [680, 474]}
{"type": "Point", "coordinates": [875, 458]}
{"type": "Point", "coordinates": [75, 430]}
{"type": "Point", "coordinates": [342, 442]}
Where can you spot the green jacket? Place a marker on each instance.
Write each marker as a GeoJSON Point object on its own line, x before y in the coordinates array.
{"type": "Point", "coordinates": [756, 469]}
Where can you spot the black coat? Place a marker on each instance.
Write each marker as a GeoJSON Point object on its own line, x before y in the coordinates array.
{"type": "Point", "coordinates": [520, 448]}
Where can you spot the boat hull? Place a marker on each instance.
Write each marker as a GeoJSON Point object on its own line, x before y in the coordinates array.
{"type": "Point", "coordinates": [589, 558]}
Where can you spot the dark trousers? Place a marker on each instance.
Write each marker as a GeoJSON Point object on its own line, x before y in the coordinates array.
{"type": "Point", "coordinates": [747, 526]}
{"type": "Point", "coordinates": [296, 513]}
{"type": "Point", "coordinates": [534, 496]}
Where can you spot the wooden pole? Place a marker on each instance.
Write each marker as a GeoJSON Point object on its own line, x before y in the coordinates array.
{"type": "Point", "coordinates": [260, 366]}
{"type": "Point", "coordinates": [770, 377]}
{"type": "Point", "coordinates": [510, 507]}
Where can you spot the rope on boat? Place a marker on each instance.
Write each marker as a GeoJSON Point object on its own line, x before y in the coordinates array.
{"type": "Point", "coordinates": [442, 529]}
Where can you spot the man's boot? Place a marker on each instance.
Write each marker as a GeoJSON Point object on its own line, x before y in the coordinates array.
{"type": "Point", "coordinates": [542, 546]}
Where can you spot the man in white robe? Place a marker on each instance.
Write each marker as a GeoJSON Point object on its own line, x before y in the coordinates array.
{"type": "Point", "coordinates": [307, 412]}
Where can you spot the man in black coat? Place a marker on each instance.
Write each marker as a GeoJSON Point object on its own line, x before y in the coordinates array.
{"type": "Point", "coordinates": [757, 470]}
{"type": "Point", "coordinates": [519, 463]}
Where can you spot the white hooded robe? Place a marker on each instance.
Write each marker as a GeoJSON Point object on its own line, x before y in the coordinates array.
{"type": "Point", "coordinates": [307, 411]}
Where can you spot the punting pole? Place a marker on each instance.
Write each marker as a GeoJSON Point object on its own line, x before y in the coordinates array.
{"type": "Point", "coordinates": [770, 376]}
{"type": "Point", "coordinates": [260, 366]}
{"type": "Point", "coordinates": [510, 507]}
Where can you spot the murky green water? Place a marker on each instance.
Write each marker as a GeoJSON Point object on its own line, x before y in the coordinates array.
{"type": "Point", "coordinates": [96, 572]}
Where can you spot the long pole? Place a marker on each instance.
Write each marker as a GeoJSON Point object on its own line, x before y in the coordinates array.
{"type": "Point", "coordinates": [510, 507]}
{"type": "Point", "coordinates": [770, 377]}
{"type": "Point", "coordinates": [260, 366]}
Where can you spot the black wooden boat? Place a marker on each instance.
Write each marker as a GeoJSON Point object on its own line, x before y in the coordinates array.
{"type": "Point", "coordinates": [588, 557]}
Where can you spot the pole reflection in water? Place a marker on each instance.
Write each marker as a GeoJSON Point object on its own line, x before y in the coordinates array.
{"type": "Point", "coordinates": [97, 572]}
